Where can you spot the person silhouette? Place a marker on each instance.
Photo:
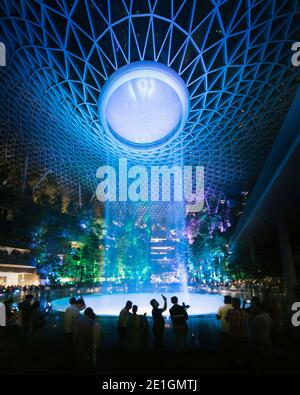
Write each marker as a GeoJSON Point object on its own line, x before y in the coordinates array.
{"type": "Point", "coordinates": [179, 317]}
{"type": "Point", "coordinates": [158, 322]}
{"type": "Point", "coordinates": [122, 327]}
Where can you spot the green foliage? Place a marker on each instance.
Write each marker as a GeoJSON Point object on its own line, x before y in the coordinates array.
{"type": "Point", "coordinates": [128, 255]}
{"type": "Point", "coordinates": [66, 249]}
{"type": "Point", "coordinates": [208, 251]}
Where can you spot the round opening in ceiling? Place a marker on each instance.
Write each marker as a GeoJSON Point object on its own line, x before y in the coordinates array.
{"type": "Point", "coordinates": [144, 105]}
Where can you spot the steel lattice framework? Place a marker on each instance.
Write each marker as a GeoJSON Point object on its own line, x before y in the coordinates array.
{"type": "Point", "coordinates": [235, 57]}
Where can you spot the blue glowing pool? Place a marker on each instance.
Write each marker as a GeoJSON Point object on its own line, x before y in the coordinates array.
{"type": "Point", "coordinates": [111, 304]}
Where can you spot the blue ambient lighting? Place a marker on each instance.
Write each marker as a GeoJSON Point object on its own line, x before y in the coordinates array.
{"type": "Point", "coordinates": [144, 105]}
{"type": "Point", "coordinates": [234, 57]}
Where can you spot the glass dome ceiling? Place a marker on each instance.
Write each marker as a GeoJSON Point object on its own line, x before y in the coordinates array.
{"type": "Point", "coordinates": [234, 57]}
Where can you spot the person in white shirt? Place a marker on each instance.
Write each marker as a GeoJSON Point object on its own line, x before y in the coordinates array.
{"type": "Point", "coordinates": [2, 322]}
{"type": "Point", "coordinates": [2, 314]}
{"type": "Point", "coordinates": [71, 314]}
{"type": "Point", "coordinates": [224, 328]}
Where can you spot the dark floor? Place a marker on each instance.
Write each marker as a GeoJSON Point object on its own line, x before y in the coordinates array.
{"type": "Point", "coordinates": [49, 359]}
{"type": "Point", "coordinates": [52, 362]}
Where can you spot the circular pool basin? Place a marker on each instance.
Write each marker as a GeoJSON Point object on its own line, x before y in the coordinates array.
{"type": "Point", "coordinates": [111, 304]}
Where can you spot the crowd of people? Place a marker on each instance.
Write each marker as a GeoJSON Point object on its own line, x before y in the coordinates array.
{"type": "Point", "coordinates": [83, 334]}
{"type": "Point", "coordinates": [250, 286]}
{"type": "Point", "coordinates": [24, 322]}
{"type": "Point", "coordinates": [10, 290]}
{"type": "Point", "coordinates": [132, 328]}
{"type": "Point", "coordinates": [247, 329]}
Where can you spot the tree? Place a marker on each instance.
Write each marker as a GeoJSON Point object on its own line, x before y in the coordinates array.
{"type": "Point", "coordinates": [64, 248]}
{"type": "Point", "coordinates": [129, 249]}
{"type": "Point", "coordinates": [207, 243]}
{"type": "Point", "coordinates": [52, 244]}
